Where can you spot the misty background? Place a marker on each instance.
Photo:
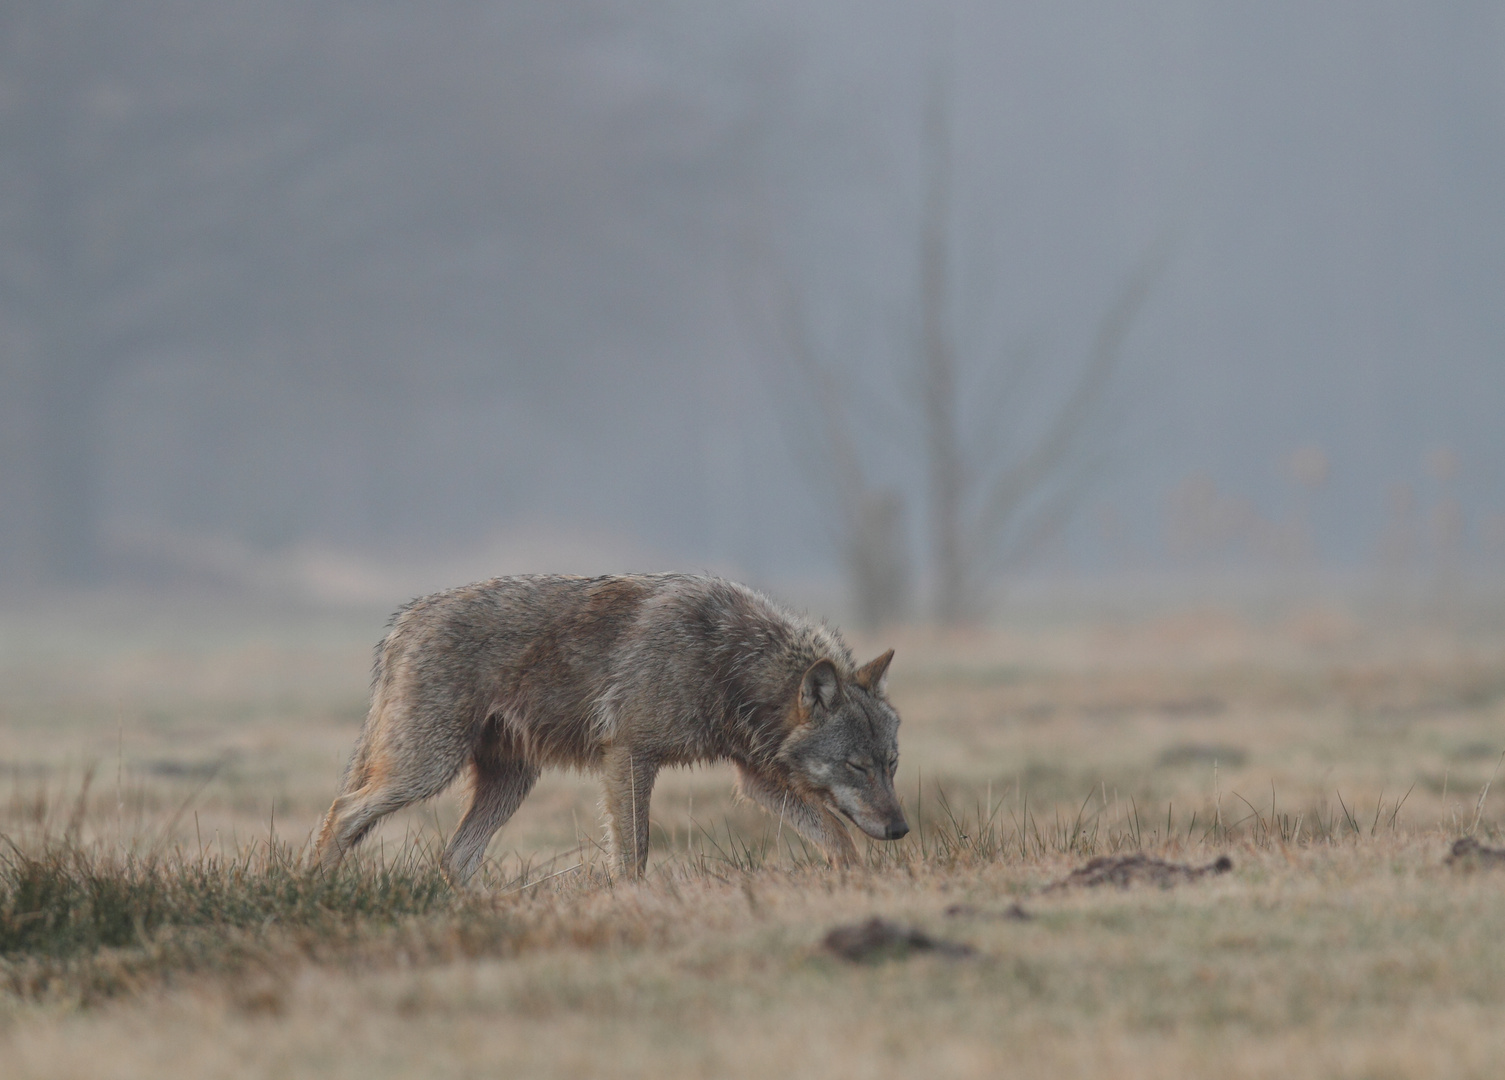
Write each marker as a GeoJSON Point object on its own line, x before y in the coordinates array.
{"type": "Point", "coordinates": [350, 300]}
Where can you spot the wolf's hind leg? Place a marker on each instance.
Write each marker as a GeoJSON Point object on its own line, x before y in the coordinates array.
{"type": "Point", "coordinates": [815, 823]}
{"type": "Point", "coordinates": [627, 777]}
{"type": "Point", "coordinates": [395, 774]}
{"type": "Point", "coordinates": [498, 789]}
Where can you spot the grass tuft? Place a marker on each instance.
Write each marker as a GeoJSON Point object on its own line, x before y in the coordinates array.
{"type": "Point", "coordinates": [66, 899]}
{"type": "Point", "coordinates": [92, 922]}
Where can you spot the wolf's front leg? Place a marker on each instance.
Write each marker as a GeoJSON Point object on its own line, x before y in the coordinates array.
{"type": "Point", "coordinates": [815, 823]}
{"type": "Point", "coordinates": [627, 777]}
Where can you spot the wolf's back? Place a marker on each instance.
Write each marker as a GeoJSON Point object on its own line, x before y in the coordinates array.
{"type": "Point", "coordinates": [550, 666]}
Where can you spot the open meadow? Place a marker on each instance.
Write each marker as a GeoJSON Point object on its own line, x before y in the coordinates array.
{"type": "Point", "coordinates": [161, 771]}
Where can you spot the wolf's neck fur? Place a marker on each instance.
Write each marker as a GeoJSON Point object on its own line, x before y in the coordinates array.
{"type": "Point", "coordinates": [764, 651]}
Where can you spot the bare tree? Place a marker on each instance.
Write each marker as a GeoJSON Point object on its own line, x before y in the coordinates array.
{"type": "Point", "coordinates": [990, 511]}
{"type": "Point", "coordinates": [991, 500]}
{"type": "Point", "coordinates": [867, 526]}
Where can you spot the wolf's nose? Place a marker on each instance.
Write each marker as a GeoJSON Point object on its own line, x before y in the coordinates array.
{"type": "Point", "coordinates": [896, 832]}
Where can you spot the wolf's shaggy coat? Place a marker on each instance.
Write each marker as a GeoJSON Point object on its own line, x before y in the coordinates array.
{"type": "Point", "coordinates": [621, 675]}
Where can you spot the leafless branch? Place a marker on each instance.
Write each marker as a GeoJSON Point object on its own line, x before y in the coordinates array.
{"type": "Point", "coordinates": [1017, 483]}
{"type": "Point", "coordinates": [867, 527]}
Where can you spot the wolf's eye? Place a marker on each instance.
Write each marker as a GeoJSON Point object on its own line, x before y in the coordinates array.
{"type": "Point", "coordinates": [862, 768]}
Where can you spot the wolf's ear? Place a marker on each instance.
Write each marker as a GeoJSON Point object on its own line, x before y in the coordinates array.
{"type": "Point", "coordinates": [873, 676]}
{"type": "Point", "coordinates": [820, 686]}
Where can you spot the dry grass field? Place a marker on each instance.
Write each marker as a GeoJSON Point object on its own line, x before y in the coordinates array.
{"type": "Point", "coordinates": [161, 769]}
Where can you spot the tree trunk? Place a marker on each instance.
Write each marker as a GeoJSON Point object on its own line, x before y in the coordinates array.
{"type": "Point", "coordinates": [878, 559]}
{"type": "Point", "coordinates": [938, 377]}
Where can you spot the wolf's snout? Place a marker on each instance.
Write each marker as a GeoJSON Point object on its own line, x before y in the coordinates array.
{"type": "Point", "coordinates": [896, 831]}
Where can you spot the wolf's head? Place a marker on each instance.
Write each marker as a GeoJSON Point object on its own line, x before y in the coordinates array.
{"type": "Point", "coordinates": [843, 745]}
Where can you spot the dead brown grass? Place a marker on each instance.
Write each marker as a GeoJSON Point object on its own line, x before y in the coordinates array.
{"type": "Point", "coordinates": [1334, 763]}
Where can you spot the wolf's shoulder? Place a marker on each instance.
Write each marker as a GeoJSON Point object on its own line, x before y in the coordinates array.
{"type": "Point", "coordinates": [722, 614]}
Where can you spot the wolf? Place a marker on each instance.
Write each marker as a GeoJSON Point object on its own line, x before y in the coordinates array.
{"type": "Point", "coordinates": [619, 675]}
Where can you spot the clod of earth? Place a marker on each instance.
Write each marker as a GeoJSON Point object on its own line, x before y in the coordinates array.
{"type": "Point", "coordinates": [878, 939]}
{"type": "Point", "coordinates": [1469, 852]}
{"type": "Point", "coordinates": [1126, 870]}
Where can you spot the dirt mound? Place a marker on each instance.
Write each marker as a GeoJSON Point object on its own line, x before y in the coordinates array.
{"type": "Point", "coordinates": [878, 939]}
{"type": "Point", "coordinates": [1469, 852]}
{"type": "Point", "coordinates": [1126, 870]}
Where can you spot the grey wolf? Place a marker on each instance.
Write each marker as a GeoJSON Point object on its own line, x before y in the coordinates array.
{"type": "Point", "coordinates": [619, 675]}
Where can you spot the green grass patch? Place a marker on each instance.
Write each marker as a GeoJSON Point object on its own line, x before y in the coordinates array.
{"type": "Point", "coordinates": [66, 900]}
{"type": "Point", "coordinates": [87, 923]}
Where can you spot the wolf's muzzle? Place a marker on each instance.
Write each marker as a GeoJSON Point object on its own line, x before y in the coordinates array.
{"type": "Point", "coordinates": [896, 832]}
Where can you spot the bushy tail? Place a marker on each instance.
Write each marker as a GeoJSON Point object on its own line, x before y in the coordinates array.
{"type": "Point", "coordinates": [327, 851]}
{"type": "Point", "coordinates": [357, 769]}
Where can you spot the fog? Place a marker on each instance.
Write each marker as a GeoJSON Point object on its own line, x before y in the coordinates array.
{"type": "Point", "coordinates": [352, 299]}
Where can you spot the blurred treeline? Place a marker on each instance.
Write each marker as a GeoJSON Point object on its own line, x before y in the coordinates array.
{"type": "Point", "coordinates": [345, 258]}
{"type": "Point", "coordinates": [918, 294]}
